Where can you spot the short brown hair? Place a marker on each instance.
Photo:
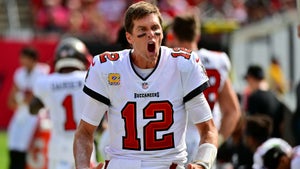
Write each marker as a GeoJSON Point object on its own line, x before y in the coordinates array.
{"type": "Point", "coordinates": [186, 27]}
{"type": "Point", "coordinates": [259, 127]}
{"type": "Point", "coordinates": [29, 52]}
{"type": "Point", "coordinates": [137, 11]}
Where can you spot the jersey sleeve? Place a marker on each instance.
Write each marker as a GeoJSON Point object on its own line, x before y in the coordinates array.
{"type": "Point", "coordinates": [39, 88]}
{"type": "Point", "coordinates": [198, 109]}
{"type": "Point", "coordinates": [93, 111]}
{"type": "Point", "coordinates": [225, 67]}
{"type": "Point", "coordinates": [95, 82]}
{"type": "Point", "coordinates": [194, 77]}
{"type": "Point", "coordinates": [17, 77]}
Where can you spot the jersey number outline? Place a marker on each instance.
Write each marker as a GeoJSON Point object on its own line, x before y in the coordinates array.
{"type": "Point", "coordinates": [151, 142]}
{"type": "Point", "coordinates": [70, 123]}
{"type": "Point", "coordinates": [186, 53]}
{"type": "Point", "coordinates": [215, 82]}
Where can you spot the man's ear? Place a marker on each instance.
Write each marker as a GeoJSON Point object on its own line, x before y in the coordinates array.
{"type": "Point", "coordinates": [129, 37]}
{"type": "Point", "coordinates": [198, 38]}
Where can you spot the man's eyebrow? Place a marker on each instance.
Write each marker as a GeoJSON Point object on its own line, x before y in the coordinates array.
{"type": "Point", "coordinates": [140, 27]}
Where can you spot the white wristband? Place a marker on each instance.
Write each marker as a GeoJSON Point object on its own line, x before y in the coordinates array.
{"type": "Point", "coordinates": [206, 155]}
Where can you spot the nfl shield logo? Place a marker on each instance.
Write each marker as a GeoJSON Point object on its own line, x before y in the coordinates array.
{"type": "Point", "coordinates": [145, 85]}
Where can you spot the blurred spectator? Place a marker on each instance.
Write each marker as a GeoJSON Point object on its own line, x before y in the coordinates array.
{"type": "Point", "coordinates": [298, 27]}
{"type": "Point", "coordinates": [276, 158]}
{"type": "Point", "coordinates": [214, 9]}
{"type": "Point", "coordinates": [237, 11]}
{"type": "Point", "coordinates": [257, 137]}
{"type": "Point", "coordinates": [121, 40]}
{"type": "Point", "coordinates": [261, 100]}
{"type": "Point", "coordinates": [112, 11]}
{"type": "Point", "coordinates": [52, 17]}
{"type": "Point", "coordinates": [257, 10]}
{"type": "Point", "coordinates": [276, 5]}
{"type": "Point", "coordinates": [78, 23]}
{"type": "Point", "coordinates": [296, 117]}
{"type": "Point", "coordinates": [276, 77]}
{"type": "Point", "coordinates": [235, 151]}
{"type": "Point", "coordinates": [96, 22]}
{"type": "Point", "coordinates": [171, 8]}
{"type": "Point", "coordinates": [22, 126]}
{"type": "Point", "coordinates": [288, 4]}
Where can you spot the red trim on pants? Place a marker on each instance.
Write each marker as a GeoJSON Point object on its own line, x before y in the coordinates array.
{"type": "Point", "coordinates": [106, 164]}
{"type": "Point", "coordinates": [172, 166]}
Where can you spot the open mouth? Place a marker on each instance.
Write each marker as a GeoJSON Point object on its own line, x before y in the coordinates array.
{"type": "Point", "coordinates": [151, 47]}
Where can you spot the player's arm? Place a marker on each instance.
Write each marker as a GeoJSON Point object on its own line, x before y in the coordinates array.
{"type": "Point", "coordinates": [35, 105]}
{"type": "Point", "coordinates": [207, 149]}
{"type": "Point", "coordinates": [84, 136]}
{"type": "Point", "coordinates": [83, 145]}
{"type": "Point", "coordinates": [230, 109]}
{"type": "Point", "coordinates": [200, 113]}
{"type": "Point", "coordinates": [11, 101]}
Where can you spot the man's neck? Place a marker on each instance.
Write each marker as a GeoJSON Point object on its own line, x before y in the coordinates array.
{"type": "Point", "coordinates": [140, 61]}
{"type": "Point", "coordinates": [189, 45]}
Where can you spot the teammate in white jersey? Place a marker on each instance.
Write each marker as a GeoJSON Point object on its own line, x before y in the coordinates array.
{"type": "Point", "coordinates": [185, 31]}
{"type": "Point", "coordinates": [61, 93]}
{"type": "Point", "coordinates": [22, 124]}
{"type": "Point", "coordinates": [269, 153]}
{"type": "Point", "coordinates": [146, 93]}
{"type": "Point", "coordinates": [276, 153]}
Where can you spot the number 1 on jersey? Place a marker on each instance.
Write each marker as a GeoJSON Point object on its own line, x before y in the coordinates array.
{"type": "Point", "coordinates": [70, 123]}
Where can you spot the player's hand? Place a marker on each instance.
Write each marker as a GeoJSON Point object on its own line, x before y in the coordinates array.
{"type": "Point", "coordinates": [28, 95]}
{"type": "Point", "coordinates": [99, 166]}
{"type": "Point", "coordinates": [194, 166]}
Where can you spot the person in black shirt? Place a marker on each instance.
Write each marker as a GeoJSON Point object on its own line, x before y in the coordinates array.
{"type": "Point", "coordinates": [262, 100]}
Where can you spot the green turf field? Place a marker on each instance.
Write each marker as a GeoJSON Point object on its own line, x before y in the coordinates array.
{"type": "Point", "coordinates": [4, 159]}
{"type": "Point", "coordinates": [3, 150]}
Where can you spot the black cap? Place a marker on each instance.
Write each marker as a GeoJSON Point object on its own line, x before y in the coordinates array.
{"type": "Point", "coordinates": [255, 71]}
{"type": "Point", "coordinates": [272, 157]}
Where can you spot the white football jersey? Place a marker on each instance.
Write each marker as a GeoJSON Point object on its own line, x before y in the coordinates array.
{"type": "Point", "coordinates": [267, 145]}
{"type": "Point", "coordinates": [62, 95]}
{"type": "Point", "coordinates": [147, 116]}
{"type": "Point", "coordinates": [23, 124]}
{"type": "Point", "coordinates": [217, 66]}
{"type": "Point", "coordinates": [295, 163]}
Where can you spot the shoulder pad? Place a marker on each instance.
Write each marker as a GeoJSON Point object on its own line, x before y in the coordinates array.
{"type": "Point", "coordinates": [187, 59]}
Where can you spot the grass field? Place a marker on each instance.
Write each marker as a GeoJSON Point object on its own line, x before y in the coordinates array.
{"type": "Point", "coordinates": [4, 158]}
{"type": "Point", "coordinates": [3, 150]}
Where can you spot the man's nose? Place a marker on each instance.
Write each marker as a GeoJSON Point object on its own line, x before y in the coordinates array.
{"type": "Point", "coordinates": [151, 34]}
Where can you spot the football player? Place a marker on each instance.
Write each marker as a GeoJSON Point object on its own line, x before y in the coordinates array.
{"type": "Point", "coordinates": [61, 93]}
{"type": "Point", "coordinates": [146, 92]}
{"type": "Point", "coordinates": [221, 96]}
{"type": "Point", "coordinates": [22, 125]}
{"type": "Point", "coordinates": [257, 136]}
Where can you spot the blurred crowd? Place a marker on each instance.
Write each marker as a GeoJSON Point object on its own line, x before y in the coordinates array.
{"type": "Point", "coordinates": [265, 116]}
{"type": "Point", "coordinates": [102, 19]}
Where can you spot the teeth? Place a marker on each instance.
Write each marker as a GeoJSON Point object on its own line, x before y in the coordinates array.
{"type": "Point", "coordinates": [150, 43]}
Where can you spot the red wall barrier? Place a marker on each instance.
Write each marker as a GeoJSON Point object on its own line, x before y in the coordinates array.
{"type": "Point", "coordinates": [9, 54]}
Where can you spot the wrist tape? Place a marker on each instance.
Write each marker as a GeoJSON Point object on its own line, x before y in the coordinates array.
{"type": "Point", "coordinates": [206, 155]}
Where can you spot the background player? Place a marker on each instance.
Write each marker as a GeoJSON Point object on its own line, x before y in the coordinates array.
{"type": "Point", "coordinates": [146, 92]}
{"type": "Point", "coordinates": [23, 125]}
{"type": "Point", "coordinates": [61, 93]}
{"type": "Point", "coordinates": [186, 33]}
